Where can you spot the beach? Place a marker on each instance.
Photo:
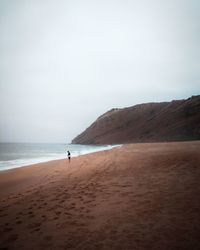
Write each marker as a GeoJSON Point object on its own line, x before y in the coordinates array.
{"type": "Point", "coordinates": [137, 196]}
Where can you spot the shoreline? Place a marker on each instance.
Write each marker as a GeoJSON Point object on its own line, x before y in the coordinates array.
{"type": "Point", "coordinates": [112, 147]}
{"type": "Point", "coordinates": [137, 196]}
{"type": "Point", "coordinates": [43, 159]}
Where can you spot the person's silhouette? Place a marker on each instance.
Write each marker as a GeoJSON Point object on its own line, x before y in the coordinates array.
{"type": "Point", "coordinates": [69, 155]}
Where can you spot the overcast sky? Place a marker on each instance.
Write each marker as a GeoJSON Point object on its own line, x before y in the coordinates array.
{"type": "Point", "coordinates": [65, 62]}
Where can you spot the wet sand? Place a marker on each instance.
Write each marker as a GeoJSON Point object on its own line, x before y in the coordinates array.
{"type": "Point", "coordinates": [138, 196]}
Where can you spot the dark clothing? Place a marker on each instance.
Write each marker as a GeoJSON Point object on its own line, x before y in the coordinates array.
{"type": "Point", "coordinates": [69, 155]}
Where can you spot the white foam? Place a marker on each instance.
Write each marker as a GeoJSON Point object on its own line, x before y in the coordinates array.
{"type": "Point", "coordinates": [17, 163]}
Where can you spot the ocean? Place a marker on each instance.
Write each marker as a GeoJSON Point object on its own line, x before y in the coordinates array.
{"type": "Point", "coordinates": [14, 155]}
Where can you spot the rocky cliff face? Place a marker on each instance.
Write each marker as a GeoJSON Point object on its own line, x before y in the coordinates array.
{"type": "Point", "coordinates": [151, 122]}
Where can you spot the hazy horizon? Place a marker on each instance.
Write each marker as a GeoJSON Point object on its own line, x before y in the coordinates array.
{"type": "Point", "coordinates": [65, 142]}
{"type": "Point", "coordinates": [64, 63]}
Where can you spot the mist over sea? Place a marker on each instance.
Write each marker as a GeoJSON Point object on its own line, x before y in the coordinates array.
{"type": "Point", "coordinates": [14, 155]}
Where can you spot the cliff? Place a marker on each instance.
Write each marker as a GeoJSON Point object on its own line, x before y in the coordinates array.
{"type": "Point", "coordinates": [151, 122]}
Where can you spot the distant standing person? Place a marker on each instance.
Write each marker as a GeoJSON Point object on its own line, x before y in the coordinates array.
{"type": "Point", "coordinates": [69, 155]}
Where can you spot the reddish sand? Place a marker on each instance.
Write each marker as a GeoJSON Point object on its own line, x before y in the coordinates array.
{"type": "Point", "coordinates": [139, 196]}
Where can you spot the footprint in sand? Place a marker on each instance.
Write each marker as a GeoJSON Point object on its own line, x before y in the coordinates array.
{"type": "Point", "coordinates": [7, 229]}
{"type": "Point", "coordinates": [57, 212]}
{"type": "Point", "coordinates": [3, 215]}
{"type": "Point", "coordinates": [31, 214]}
{"type": "Point", "coordinates": [34, 225]}
{"type": "Point", "coordinates": [61, 201]}
{"type": "Point", "coordinates": [85, 202]}
{"type": "Point", "coordinates": [48, 237]}
{"type": "Point", "coordinates": [18, 222]}
{"type": "Point", "coordinates": [90, 217]}
{"type": "Point", "coordinates": [13, 237]}
{"type": "Point", "coordinates": [67, 213]}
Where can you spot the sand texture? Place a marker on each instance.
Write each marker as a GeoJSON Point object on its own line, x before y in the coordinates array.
{"type": "Point", "coordinates": [138, 196]}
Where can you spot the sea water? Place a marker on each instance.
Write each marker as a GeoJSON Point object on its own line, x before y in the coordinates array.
{"type": "Point", "coordinates": [14, 155]}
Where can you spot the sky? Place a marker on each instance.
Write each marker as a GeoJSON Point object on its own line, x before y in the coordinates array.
{"type": "Point", "coordinates": [63, 63]}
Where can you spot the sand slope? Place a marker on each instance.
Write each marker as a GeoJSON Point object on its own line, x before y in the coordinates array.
{"type": "Point", "coordinates": [139, 196]}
